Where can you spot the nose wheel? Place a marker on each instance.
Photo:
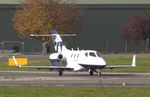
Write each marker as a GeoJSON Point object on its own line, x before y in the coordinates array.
{"type": "Point", "coordinates": [60, 73]}
{"type": "Point", "coordinates": [99, 72]}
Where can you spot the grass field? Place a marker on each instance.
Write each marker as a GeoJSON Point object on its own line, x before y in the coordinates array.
{"type": "Point", "coordinates": [24, 91]}
{"type": "Point", "coordinates": [143, 63]}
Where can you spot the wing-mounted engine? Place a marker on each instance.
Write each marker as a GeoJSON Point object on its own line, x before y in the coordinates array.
{"type": "Point", "coordinates": [56, 58]}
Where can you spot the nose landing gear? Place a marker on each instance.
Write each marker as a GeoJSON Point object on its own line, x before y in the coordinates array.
{"type": "Point", "coordinates": [99, 72]}
{"type": "Point", "coordinates": [60, 73]}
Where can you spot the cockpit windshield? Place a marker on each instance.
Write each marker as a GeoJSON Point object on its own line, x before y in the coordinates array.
{"type": "Point", "coordinates": [98, 54]}
{"type": "Point", "coordinates": [92, 54]}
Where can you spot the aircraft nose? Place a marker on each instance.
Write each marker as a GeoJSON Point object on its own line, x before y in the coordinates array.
{"type": "Point", "coordinates": [102, 61]}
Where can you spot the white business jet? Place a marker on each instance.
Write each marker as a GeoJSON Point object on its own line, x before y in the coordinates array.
{"type": "Point", "coordinates": [75, 59]}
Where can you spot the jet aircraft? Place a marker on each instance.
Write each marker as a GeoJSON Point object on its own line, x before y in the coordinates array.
{"type": "Point", "coordinates": [75, 60]}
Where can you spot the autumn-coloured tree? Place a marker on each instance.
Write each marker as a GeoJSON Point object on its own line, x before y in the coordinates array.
{"type": "Point", "coordinates": [38, 16]}
{"type": "Point", "coordinates": [138, 29]}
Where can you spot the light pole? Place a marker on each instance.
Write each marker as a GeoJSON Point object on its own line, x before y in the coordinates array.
{"type": "Point", "coordinates": [22, 47]}
{"type": "Point", "coordinates": [2, 44]}
{"type": "Point", "coordinates": [126, 46]}
{"type": "Point", "coordinates": [107, 46]}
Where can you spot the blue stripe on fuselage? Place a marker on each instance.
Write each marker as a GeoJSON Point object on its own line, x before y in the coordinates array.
{"type": "Point", "coordinates": [93, 66]}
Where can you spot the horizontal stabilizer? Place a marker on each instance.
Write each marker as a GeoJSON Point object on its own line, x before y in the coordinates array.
{"type": "Point", "coordinates": [41, 35]}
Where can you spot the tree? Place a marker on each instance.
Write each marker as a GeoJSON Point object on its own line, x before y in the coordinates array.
{"type": "Point", "coordinates": [38, 16]}
{"type": "Point", "coordinates": [138, 29]}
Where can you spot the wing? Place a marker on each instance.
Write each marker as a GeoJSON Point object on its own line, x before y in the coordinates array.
{"type": "Point", "coordinates": [124, 66]}
{"type": "Point", "coordinates": [47, 67]}
{"type": "Point", "coordinates": [118, 66]}
{"type": "Point", "coordinates": [72, 64]}
{"type": "Point", "coordinates": [42, 67]}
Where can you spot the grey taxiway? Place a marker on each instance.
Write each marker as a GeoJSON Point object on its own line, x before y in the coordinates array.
{"type": "Point", "coordinates": [35, 78]}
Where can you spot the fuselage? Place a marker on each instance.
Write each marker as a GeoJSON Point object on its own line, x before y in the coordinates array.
{"type": "Point", "coordinates": [80, 58]}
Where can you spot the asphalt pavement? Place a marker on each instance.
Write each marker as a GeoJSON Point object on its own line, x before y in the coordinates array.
{"type": "Point", "coordinates": [79, 79]}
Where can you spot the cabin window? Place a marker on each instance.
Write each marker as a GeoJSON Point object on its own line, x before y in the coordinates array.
{"type": "Point", "coordinates": [77, 55]}
{"type": "Point", "coordinates": [92, 54]}
{"type": "Point", "coordinates": [98, 54]}
{"type": "Point", "coordinates": [71, 55]}
{"type": "Point", "coordinates": [86, 54]}
{"type": "Point", "coordinates": [74, 55]}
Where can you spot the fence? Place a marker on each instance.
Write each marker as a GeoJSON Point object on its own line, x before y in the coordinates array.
{"type": "Point", "coordinates": [12, 46]}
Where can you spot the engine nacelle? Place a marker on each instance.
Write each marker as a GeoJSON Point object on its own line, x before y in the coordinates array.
{"type": "Point", "coordinates": [60, 57]}
{"type": "Point", "coordinates": [56, 57]}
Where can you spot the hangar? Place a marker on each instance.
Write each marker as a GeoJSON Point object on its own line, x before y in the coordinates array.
{"type": "Point", "coordinates": [102, 26]}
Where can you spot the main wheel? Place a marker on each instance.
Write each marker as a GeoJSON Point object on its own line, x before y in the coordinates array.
{"type": "Point", "coordinates": [60, 73]}
{"type": "Point", "coordinates": [91, 72]}
{"type": "Point", "coordinates": [99, 73]}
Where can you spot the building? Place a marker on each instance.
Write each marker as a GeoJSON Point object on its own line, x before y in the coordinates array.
{"type": "Point", "coordinates": [102, 26]}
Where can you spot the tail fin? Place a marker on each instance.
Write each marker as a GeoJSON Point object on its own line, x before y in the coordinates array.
{"type": "Point", "coordinates": [57, 41]}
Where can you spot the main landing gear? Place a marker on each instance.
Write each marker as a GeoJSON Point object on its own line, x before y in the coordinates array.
{"type": "Point", "coordinates": [91, 72]}
{"type": "Point", "coordinates": [99, 74]}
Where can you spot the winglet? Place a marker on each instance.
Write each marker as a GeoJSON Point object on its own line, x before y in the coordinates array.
{"type": "Point", "coordinates": [134, 61]}
{"type": "Point", "coordinates": [17, 65]}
